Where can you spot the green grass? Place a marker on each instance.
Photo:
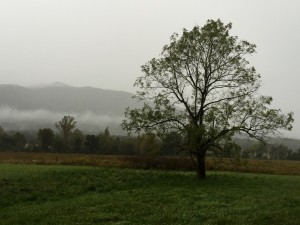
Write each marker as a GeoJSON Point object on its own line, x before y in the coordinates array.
{"type": "Point", "coordinates": [39, 194]}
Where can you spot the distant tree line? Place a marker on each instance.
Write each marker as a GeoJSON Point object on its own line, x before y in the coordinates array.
{"type": "Point", "coordinates": [67, 138]}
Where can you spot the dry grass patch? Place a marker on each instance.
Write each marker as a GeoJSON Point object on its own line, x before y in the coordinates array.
{"type": "Point", "coordinates": [141, 162]}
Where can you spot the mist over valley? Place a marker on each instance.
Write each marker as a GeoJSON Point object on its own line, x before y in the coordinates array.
{"type": "Point", "coordinates": [31, 108]}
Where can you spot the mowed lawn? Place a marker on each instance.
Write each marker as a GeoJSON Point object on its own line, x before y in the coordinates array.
{"type": "Point", "coordinates": [41, 194]}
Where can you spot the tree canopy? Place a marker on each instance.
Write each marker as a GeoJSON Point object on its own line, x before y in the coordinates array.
{"type": "Point", "coordinates": [66, 126]}
{"type": "Point", "coordinates": [203, 88]}
{"type": "Point", "coordinates": [46, 137]}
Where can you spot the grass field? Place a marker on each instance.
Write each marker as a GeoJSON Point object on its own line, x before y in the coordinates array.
{"type": "Point", "coordinates": [56, 194]}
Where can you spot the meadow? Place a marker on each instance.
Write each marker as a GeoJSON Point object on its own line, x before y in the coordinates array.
{"type": "Point", "coordinates": [59, 194]}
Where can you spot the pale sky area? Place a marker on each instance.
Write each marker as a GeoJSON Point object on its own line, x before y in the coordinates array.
{"type": "Point", "coordinates": [103, 43]}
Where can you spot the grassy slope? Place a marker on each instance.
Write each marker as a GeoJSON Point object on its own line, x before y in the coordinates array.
{"type": "Point", "coordinates": [35, 194]}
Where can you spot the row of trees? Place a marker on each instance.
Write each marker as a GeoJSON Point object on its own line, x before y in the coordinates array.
{"type": "Point", "coordinates": [69, 139]}
{"type": "Point", "coordinates": [15, 141]}
{"type": "Point", "coordinates": [275, 152]}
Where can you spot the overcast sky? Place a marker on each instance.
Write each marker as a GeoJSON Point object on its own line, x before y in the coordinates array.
{"type": "Point", "coordinates": [103, 43]}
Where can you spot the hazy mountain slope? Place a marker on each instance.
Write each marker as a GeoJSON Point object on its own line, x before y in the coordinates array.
{"type": "Point", "coordinates": [94, 108]}
{"type": "Point", "coordinates": [66, 99]}
{"type": "Point", "coordinates": [246, 143]}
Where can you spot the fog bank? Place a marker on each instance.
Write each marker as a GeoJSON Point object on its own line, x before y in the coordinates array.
{"type": "Point", "coordinates": [14, 119]}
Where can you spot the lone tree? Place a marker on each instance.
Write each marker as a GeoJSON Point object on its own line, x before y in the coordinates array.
{"type": "Point", "coordinates": [203, 88]}
{"type": "Point", "coordinates": [66, 126]}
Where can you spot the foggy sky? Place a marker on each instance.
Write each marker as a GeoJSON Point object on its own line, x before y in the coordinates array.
{"type": "Point", "coordinates": [103, 43]}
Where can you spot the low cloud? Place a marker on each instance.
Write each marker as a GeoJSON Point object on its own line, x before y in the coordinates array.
{"type": "Point", "coordinates": [24, 119]}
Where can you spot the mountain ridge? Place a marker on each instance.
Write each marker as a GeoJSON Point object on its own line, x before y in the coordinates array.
{"type": "Point", "coordinates": [56, 100]}
{"type": "Point", "coordinates": [66, 99]}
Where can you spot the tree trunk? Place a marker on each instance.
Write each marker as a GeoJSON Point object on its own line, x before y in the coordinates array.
{"type": "Point", "coordinates": [201, 166]}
